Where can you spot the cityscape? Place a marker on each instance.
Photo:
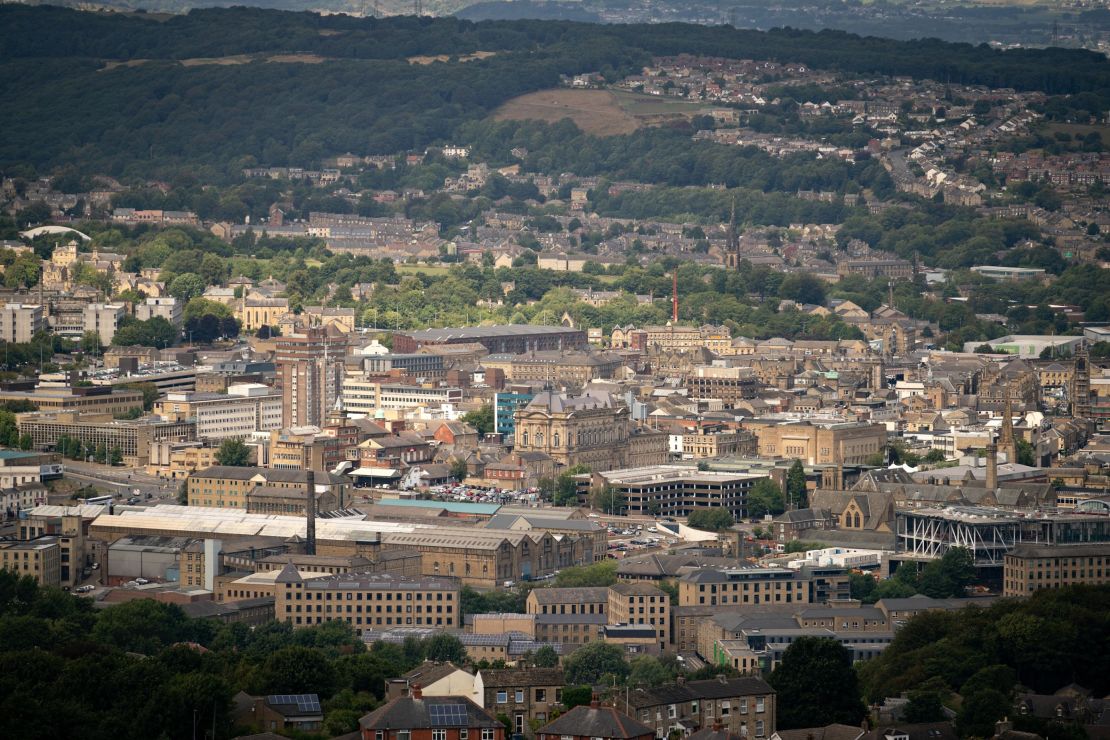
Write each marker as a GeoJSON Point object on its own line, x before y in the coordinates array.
{"type": "Point", "coordinates": [607, 372]}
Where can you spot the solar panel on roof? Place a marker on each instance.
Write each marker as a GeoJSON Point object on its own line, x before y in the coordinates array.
{"type": "Point", "coordinates": [305, 703]}
{"type": "Point", "coordinates": [442, 715]}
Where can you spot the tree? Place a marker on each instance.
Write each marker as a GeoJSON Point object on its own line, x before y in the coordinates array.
{"type": "Point", "coordinates": [980, 711]}
{"type": "Point", "coordinates": [796, 486]}
{"type": "Point", "coordinates": [90, 343]}
{"type": "Point", "coordinates": [233, 452]}
{"type": "Point", "coordinates": [444, 647]}
{"type": "Point", "coordinates": [566, 491]}
{"type": "Point", "coordinates": [545, 657]}
{"type": "Point", "coordinates": [711, 519]}
{"type": "Point", "coordinates": [296, 670]}
{"type": "Point", "coordinates": [187, 286]}
{"type": "Point", "coordinates": [25, 441]}
{"type": "Point", "coordinates": [100, 453]}
{"type": "Point", "coordinates": [949, 576]}
{"type": "Point", "coordinates": [595, 662]}
{"type": "Point", "coordinates": [861, 586]}
{"type": "Point", "coordinates": [482, 420]}
{"type": "Point", "coordinates": [802, 287]}
{"type": "Point", "coordinates": [648, 671]}
{"type": "Point", "coordinates": [597, 574]}
{"type": "Point", "coordinates": [610, 500]}
{"type": "Point", "coordinates": [458, 469]}
{"type": "Point", "coordinates": [1026, 455]}
{"type": "Point", "coordinates": [149, 390]}
{"type": "Point", "coordinates": [926, 704]}
{"type": "Point", "coordinates": [764, 498]}
{"type": "Point", "coordinates": [115, 456]}
{"type": "Point", "coordinates": [816, 685]}
{"type": "Point", "coordinates": [576, 696]}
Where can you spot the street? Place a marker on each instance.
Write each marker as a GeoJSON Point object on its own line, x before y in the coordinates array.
{"type": "Point", "coordinates": [122, 480]}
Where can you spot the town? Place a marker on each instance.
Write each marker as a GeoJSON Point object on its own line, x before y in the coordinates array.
{"type": "Point", "coordinates": [721, 398]}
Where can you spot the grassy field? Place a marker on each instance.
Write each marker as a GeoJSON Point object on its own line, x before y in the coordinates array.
{"type": "Point", "coordinates": [436, 270]}
{"type": "Point", "coordinates": [594, 111]}
{"type": "Point", "coordinates": [1078, 130]}
{"type": "Point", "coordinates": [597, 112]}
{"type": "Point", "coordinates": [640, 105]}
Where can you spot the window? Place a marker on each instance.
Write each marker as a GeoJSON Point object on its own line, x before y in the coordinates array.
{"type": "Point", "coordinates": [487, 733]}
{"type": "Point", "coordinates": [463, 733]}
{"type": "Point", "coordinates": [404, 735]}
{"type": "Point", "coordinates": [520, 696]}
{"type": "Point", "coordinates": [671, 713]}
{"type": "Point", "coordinates": [744, 706]}
{"type": "Point", "coordinates": [439, 734]}
{"type": "Point", "coordinates": [759, 704]}
{"type": "Point", "coordinates": [725, 709]}
{"type": "Point", "coordinates": [759, 728]}
{"type": "Point", "coordinates": [541, 694]}
{"type": "Point", "coordinates": [502, 697]}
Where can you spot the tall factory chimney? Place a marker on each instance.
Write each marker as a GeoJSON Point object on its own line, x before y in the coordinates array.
{"type": "Point", "coordinates": [674, 297]}
{"type": "Point", "coordinates": [310, 512]}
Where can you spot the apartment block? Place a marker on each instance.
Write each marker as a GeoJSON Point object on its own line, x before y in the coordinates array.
{"type": "Point", "coordinates": [19, 322]}
{"type": "Point", "coordinates": [1031, 567]}
{"type": "Point", "coordinates": [103, 319]}
{"type": "Point", "coordinates": [754, 585]}
{"type": "Point", "coordinates": [364, 396]}
{"type": "Point", "coordinates": [367, 601]}
{"type": "Point", "coordinates": [39, 558]}
{"type": "Point", "coordinates": [233, 487]}
{"type": "Point", "coordinates": [641, 604]}
{"type": "Point", "coordinates": [168, 308]}
{"type": "Point", "coordinates": [133, 437]}
{"type": "Point", "coordinates": [245, 408]}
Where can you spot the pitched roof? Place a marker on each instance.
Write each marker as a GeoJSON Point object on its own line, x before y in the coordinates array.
{"type": "Point", "coordinates": [583, 595]}
{"type": "Point", "coordinates": [714, 688]}
{"type": "Point", "coordinates": [409, 713]}
{"type": "Point", "coordinates": [523, 677]}
{"type": "Point", "coordinates": [596, 722]}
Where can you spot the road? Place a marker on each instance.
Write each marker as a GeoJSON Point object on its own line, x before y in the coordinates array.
{"type": "Point", "coordinates": [121, 480]}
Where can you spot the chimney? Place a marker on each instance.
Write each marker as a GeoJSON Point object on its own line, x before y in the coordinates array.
{"type": "Point", "coordinates": [310, 513]}
{"type": "Point", "coordinates": [1002, 726]}
{"type": "Point", "coordinates": [721, 678]}
{"type": "Point", "coordinates": [680, 680]}
{"type": "Point", "coordinates": [416, 692]}
{"type": "Point", "coordinates": [992, 466]}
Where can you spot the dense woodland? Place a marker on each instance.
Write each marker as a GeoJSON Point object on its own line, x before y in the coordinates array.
{"type": "Point", "coordinates": [161, 117]}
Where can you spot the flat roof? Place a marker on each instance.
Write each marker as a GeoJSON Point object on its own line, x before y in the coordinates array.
{"type": "Point", "coordinates": [497, 330]}
{"type": "Point", "coordinates": [662, 473]}
{"type": "Point", "coordinates": [460, 507]}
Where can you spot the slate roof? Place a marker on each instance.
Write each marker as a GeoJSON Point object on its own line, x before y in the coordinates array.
{"type": "Point", "coordinates": [713, 688]}
{"type": "Point", "coordinates": [523, 677]}
{"type": "Point", "coordinates": [583, 595]}
{"type": "Point", "coordinates": [408, 713]}
{"type": "Point", "coordinates": [596, 722]}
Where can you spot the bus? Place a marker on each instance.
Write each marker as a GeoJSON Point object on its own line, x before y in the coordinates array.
{"type": "Point", "coordinates": [97, 500]}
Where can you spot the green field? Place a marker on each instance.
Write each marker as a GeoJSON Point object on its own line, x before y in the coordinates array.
{"type": "Point", "coordinates": [638, 104]}
{"type": "Point", "coordinates": [1079, 130]}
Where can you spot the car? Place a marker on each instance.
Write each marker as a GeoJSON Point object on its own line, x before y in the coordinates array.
{"type": "Point", "coordinates": [141, 581]}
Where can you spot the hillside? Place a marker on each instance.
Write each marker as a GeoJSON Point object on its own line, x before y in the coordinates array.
{"type": "Point", "coordinates": [85, 99]}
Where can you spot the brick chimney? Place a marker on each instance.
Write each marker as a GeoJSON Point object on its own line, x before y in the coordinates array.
{"type": "Point", "coordinates": [416, 692]}
{"type": "Point", "coordinates": [992, 466]}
